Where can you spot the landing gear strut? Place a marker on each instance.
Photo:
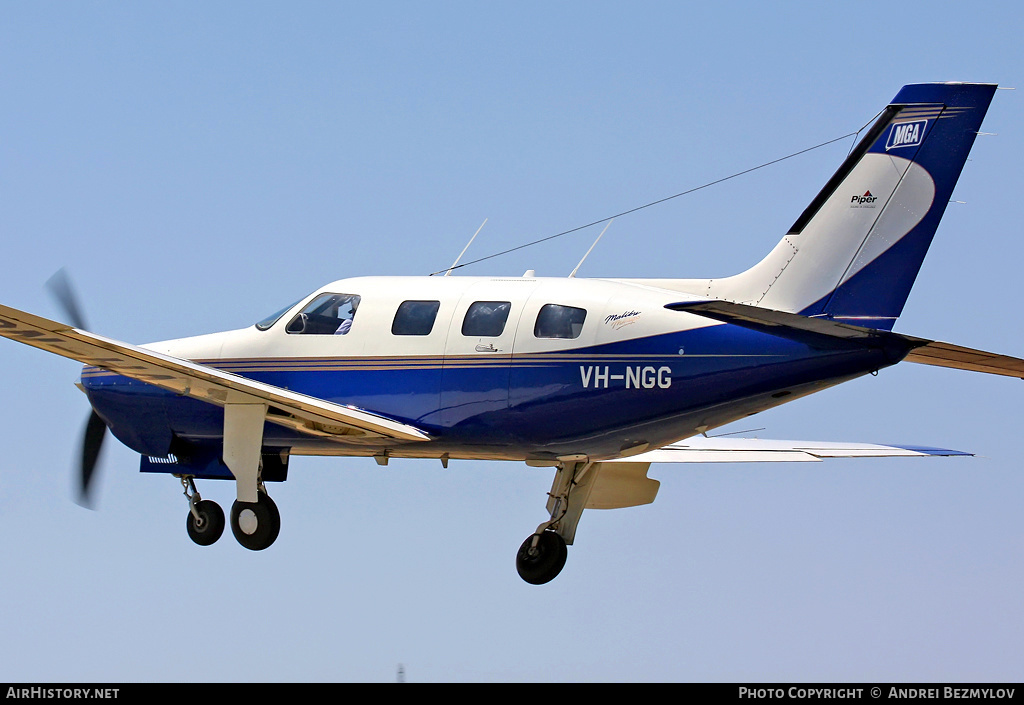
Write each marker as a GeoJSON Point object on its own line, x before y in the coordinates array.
{"type": "Point", "coordinates": [205, 521]}
{"type": "Point", "coordinates": [255, 521]}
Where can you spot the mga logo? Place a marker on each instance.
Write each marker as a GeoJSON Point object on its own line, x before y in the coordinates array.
{"type": "Point", "coordinates": [906, 134]}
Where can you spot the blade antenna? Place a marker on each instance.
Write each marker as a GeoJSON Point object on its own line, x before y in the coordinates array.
{"type": "Point", "coordinates": [466, 247]}
{"type": "Point", "coordinates": [572, 274]}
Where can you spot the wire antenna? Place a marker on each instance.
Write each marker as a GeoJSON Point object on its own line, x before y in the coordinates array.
{"type": "Point", "coordinates": [654, 203]}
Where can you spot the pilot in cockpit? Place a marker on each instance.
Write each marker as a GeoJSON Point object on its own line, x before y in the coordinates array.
{"type": "Point", "coordinates": [346, 312]}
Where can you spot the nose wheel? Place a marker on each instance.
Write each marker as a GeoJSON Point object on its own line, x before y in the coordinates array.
{"type": "Point", "coordinates": [206, 523]}
{"type": "Point", "coordinates": [205, 520]}
{"type": "Point", "coordinates": [256, 524]}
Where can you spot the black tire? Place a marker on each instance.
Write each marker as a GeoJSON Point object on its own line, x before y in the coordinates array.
{"type": "Point", "coordinates": [546, 562]}
{"type": "Point", "coordinates": [267, 522]}
{"type": "Point", "coordinates": [210, 525]}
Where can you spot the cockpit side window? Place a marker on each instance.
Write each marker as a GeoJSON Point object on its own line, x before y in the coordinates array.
{"type": "Point", "coordinates": [557, 321]}
{"type": "Point", "coordinates": [486, 319]}
{"type": "Point", "coordinates": [327, 314]}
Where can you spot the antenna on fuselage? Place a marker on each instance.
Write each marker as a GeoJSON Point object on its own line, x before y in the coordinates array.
{"type": "Point", "coordinates": [466, 247]}
{"type": "Point", "coordinates": [572, 274]}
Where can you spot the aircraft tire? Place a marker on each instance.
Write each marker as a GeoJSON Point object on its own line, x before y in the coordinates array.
{"type": "Point", "coordinates": [256, 526]}
{"type": "Point", "coordinates": [548, 561]}
{"type": "Point", "coordinates": [210, 526]}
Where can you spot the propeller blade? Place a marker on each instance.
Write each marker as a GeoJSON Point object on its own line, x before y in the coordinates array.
{"type": "Point", "coordinates": [60, 287]}
{"type": "Point", "coordinates": [92, 442]}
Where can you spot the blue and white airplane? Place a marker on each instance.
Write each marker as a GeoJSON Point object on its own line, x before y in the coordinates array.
{"type": "Point", "coordinates": [596, 379]}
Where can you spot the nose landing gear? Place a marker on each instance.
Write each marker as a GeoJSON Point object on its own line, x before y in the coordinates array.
{"type": "Point", "coordinates": [205, 520]}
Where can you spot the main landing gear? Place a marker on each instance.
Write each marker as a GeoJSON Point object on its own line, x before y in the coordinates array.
{"type": "Point", "coordinates": [542, 556]}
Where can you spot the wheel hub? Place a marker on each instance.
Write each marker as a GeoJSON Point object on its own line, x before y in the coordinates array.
{"type": "Point", "coordinates": [248, 522]}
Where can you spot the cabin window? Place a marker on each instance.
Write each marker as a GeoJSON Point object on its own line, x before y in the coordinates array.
{"type": "Point", "coordinates": [486, 319]}
{"type": "Point", "coordinates": [415, 318]}
{"type": "Point", "coordinates": [556, 321]}
{"type": "Point", "coordinates": [327, 314]}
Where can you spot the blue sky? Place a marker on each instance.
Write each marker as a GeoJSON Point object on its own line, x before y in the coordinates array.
{"type": "Point", "coordinates": [196, 166]}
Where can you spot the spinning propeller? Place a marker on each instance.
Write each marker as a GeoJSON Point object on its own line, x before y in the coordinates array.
{"type": "Point", "coordinates": [95, 428]}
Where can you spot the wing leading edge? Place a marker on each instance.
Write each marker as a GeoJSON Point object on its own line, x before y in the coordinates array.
{"type": "Point", "coordinates": [304, 413]}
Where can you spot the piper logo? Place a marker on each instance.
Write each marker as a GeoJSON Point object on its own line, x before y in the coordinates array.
{"type": "Point", "coordinates": [906, 134]}
{"type": "Point", "coordinates": [865, 201]}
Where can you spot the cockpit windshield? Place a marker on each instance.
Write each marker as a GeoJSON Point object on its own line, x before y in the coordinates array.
{"type": "Point", "coordinates": [273, 318]}
{"type": "Point", "coordinates": [327, 314]}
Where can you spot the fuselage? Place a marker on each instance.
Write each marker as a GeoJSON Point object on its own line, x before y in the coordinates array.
{"type": "Point", "coordinates": [504, 368]}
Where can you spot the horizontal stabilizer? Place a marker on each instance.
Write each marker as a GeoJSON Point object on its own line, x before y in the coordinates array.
{"type": "Point", "coordinates": [816, 332]}
{"type": "Point", "coordinates": [828, 333]}
{"type": "Point", "coordinates": [756, 450]}
{"type": "Point", "coordinates": [960, 358]}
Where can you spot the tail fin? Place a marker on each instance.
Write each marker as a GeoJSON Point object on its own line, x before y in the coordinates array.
{"type": "Point", "coordinates": [855, 251]}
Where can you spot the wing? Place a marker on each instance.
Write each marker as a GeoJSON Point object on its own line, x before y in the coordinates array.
{"type": "Point", "coordinates": [623, 482]}
{"type": "Point", "coordinates": [304, 413]}
{"type": "Point", "coordinates": [756, 450]}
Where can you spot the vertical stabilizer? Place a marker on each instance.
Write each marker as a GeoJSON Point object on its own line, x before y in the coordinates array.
{"type": "Point", "coordinates": [855, 251]}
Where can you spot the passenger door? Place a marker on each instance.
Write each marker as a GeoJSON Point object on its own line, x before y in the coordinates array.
{"type": "Point", "coordinates": [478, 354]}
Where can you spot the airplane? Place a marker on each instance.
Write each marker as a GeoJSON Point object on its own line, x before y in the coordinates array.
{"type": "Point", "coordinates": [594, 378]}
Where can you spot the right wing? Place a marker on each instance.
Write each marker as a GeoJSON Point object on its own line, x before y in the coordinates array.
{"type": "Point", "coordinates": [299, 411]}
{"type": "Point", "coordinates": [757, 450]}
{"type": "Point", "coordinates": [623, 482]}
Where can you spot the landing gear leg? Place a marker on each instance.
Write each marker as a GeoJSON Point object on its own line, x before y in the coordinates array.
{"type": "Point", "coordinates": [255, 520]}
{"type": "Point", "coordinates": [542, 556]}
{"type": "Point", "coordinates": [205, 521]}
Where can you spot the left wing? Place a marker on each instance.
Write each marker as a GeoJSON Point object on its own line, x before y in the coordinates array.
{"type": "Point", "coordinates": [284, 407]}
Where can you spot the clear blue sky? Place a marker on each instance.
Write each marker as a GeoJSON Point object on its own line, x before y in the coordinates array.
{"type": "Point", "coordinates": [196, 166]}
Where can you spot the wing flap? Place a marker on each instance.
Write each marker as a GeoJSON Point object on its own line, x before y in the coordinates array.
{"type": "Point", "coordinates": [305, 413]}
